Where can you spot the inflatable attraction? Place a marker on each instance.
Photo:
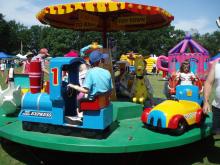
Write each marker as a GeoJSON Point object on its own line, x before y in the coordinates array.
{"type": "Point", "coordinates": [151, 61]}
{"type": "Point", "coordinates": [187, 49]}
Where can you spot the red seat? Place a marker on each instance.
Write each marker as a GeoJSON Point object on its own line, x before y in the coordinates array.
{"type": "Point", "coordinates": [98, 102]}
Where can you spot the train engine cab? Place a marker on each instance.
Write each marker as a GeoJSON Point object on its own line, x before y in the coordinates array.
{"type": "Point", "coordinates": [59, 108]}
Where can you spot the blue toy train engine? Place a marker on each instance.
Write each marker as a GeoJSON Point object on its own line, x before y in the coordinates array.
{"type": "Point", "coordinates": [57, 110]}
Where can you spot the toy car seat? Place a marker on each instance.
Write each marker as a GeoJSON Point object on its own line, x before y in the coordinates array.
{"type": "Point", "coordinates": [188, 92]}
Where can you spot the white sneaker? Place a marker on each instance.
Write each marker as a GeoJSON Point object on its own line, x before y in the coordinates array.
{"type": "Point", "coordinates": [80, 114]}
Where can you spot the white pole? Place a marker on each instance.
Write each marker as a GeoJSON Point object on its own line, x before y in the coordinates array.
{"type": "Point", "coordinates": [21, 51]}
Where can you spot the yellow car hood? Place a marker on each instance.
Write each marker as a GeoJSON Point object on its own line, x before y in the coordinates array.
{"type": "Point", "coordinates": [171, 107]}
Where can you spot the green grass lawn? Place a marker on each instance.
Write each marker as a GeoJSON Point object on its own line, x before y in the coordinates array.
{"type": "Point", "coordinates": [206, 151]}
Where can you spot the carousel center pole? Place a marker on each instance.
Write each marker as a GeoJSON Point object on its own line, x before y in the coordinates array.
{"type": "Point", "coordinates": [104, 38]}
{"type": "Point", "coordinates": [109, 65]}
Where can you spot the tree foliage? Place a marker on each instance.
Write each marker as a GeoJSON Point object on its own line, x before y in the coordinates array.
{"type": "Point", "coordinates": [60, 41]}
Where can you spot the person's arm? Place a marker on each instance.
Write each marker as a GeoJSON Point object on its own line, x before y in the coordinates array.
{"type": "Point", "coordinates": [177, 76]}
{"type": "Point", "coordinates": [23, 67]}
{"type": "Point", "coordinates": [208, 88]}
{"type": "Point", "coordinates": [193, 76]}
{"type": "Point", "coordinates": [43, 66]}
{"type": "Point", "coordinates": [78, 88]}
{"type": "Point", "coordinates": [45, 71]}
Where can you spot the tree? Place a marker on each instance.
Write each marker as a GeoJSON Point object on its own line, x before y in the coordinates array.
{"type": "Point", "coordinates": [5, 35]}
{"type": "Point", "coordinates": [61, 41]}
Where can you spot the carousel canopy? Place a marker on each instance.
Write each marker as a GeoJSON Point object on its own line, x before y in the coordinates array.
{"type": "Point", "coordinates": [105, 15]}
{"type": "Point", "coordinates": [188, 44]}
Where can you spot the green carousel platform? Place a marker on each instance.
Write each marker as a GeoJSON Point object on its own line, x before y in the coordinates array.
{"type": "Point", "coordinates": [129, 136]}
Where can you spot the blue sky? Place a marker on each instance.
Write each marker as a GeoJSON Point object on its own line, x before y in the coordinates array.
{"type": "Point", "coordinates": [188, 14]}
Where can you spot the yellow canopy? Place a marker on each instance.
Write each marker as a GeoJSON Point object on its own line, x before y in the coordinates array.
{"type": "Point", "coordinates": [105, 15]}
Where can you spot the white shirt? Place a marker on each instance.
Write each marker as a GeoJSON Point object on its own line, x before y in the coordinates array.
{"type": "Point", "coordinates": [3, 66]}
{"type": "Point", "coordinates": [216, 101]}
{"type": "Point", "coordinates": [185, 78]}
{"type": "Point", "coordinates": [82, 73]}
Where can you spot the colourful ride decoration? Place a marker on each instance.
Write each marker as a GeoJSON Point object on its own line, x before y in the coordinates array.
{"type": "Point", "coordinates": [124, 80]}
{"type": "Point", "coordinates": [105, 16]}
{"type": "Point", "coordinates": [187, 49]}
{"type": "Point", "coordinates": [129, 57]}
{"type": "Point", "coordinates": [177, 114]}
{"type": "Point", "coordinates": [150, 63]}
{"type": "Point", "coordinates": [85, 51]}
{"type": "Point", "coordinates": [141, 89]}
{"type": "Point", "coordinates": [35, 77]}
{"type": "Point", "coordinates": [172, 83]}
{"type": "Point", "coordinates": [40, 110]}
{"type": "Point", "coordinates": [23, 81]}
{"type": "Point", "coordinates": [10, 98]}
{"type": "Point", "coordinates": [72, 53]}
{"type": "Point", "coordinates": [159, 63]}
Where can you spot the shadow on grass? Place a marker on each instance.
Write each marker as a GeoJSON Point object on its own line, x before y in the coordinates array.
{"type": "Point", "coordinates": [203, 152]}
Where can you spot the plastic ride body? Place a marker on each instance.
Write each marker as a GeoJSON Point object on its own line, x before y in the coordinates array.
{"type": "Point", "coordinates": [35, 76]}
{"type": "Point", "coordinates": [58, 109]}
{"type": "Point", "coordinates": [183, 110]}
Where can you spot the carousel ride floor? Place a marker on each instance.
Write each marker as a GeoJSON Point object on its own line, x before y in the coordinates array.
{"type": "Point", "coordinates": [127, 135]}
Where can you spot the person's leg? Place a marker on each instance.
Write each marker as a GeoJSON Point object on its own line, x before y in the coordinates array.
{"type": "Point", "coordinates": [2, 71]}
{"type": "Point", "coordinates": [216, 120]}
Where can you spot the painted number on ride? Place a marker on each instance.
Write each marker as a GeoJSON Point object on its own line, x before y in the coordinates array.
{"type": "Point", "coordinates": [54, 76]}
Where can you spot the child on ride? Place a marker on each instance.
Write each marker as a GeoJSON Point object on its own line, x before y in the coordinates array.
{"type": "Point", "coordinates": [184, 75]}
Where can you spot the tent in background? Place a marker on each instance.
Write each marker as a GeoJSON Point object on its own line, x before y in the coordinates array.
{"type": "Point", "coordinates": [4, 55]}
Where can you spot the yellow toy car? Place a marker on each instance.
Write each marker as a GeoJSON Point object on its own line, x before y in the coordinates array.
{"type": "Point", "coordinates": [184, 110]}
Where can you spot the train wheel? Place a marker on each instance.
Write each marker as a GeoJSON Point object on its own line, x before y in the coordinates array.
{"type": "Point", "coordinates": [43, 127]}
{"type": "Point", "coordinates": [88, 133]}
{"type": "Point", "coordinates": [27, 126]}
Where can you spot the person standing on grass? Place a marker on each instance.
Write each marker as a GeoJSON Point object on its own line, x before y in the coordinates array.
{"type": "Point", "coordinates": [43, 54]}
{"type": "Point", "coordinates": [2, 67]}
{"type": "Point", "coordinates": [213, 79]}
{"type": "Point", "coordinates": [27, 63]}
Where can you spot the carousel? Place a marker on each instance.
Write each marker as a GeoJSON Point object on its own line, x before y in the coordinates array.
{"type": "Point", "coordinates": [107, 126]}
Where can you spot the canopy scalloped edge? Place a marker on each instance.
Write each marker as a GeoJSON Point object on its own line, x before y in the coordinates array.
{"type": "Point", "coordinates": [102, 7]}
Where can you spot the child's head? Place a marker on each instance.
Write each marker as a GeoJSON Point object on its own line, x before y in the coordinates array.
{"type": "Point", "coordinates": [185, 66]}
{"type": "Point", "coordinates": [96, 57]}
